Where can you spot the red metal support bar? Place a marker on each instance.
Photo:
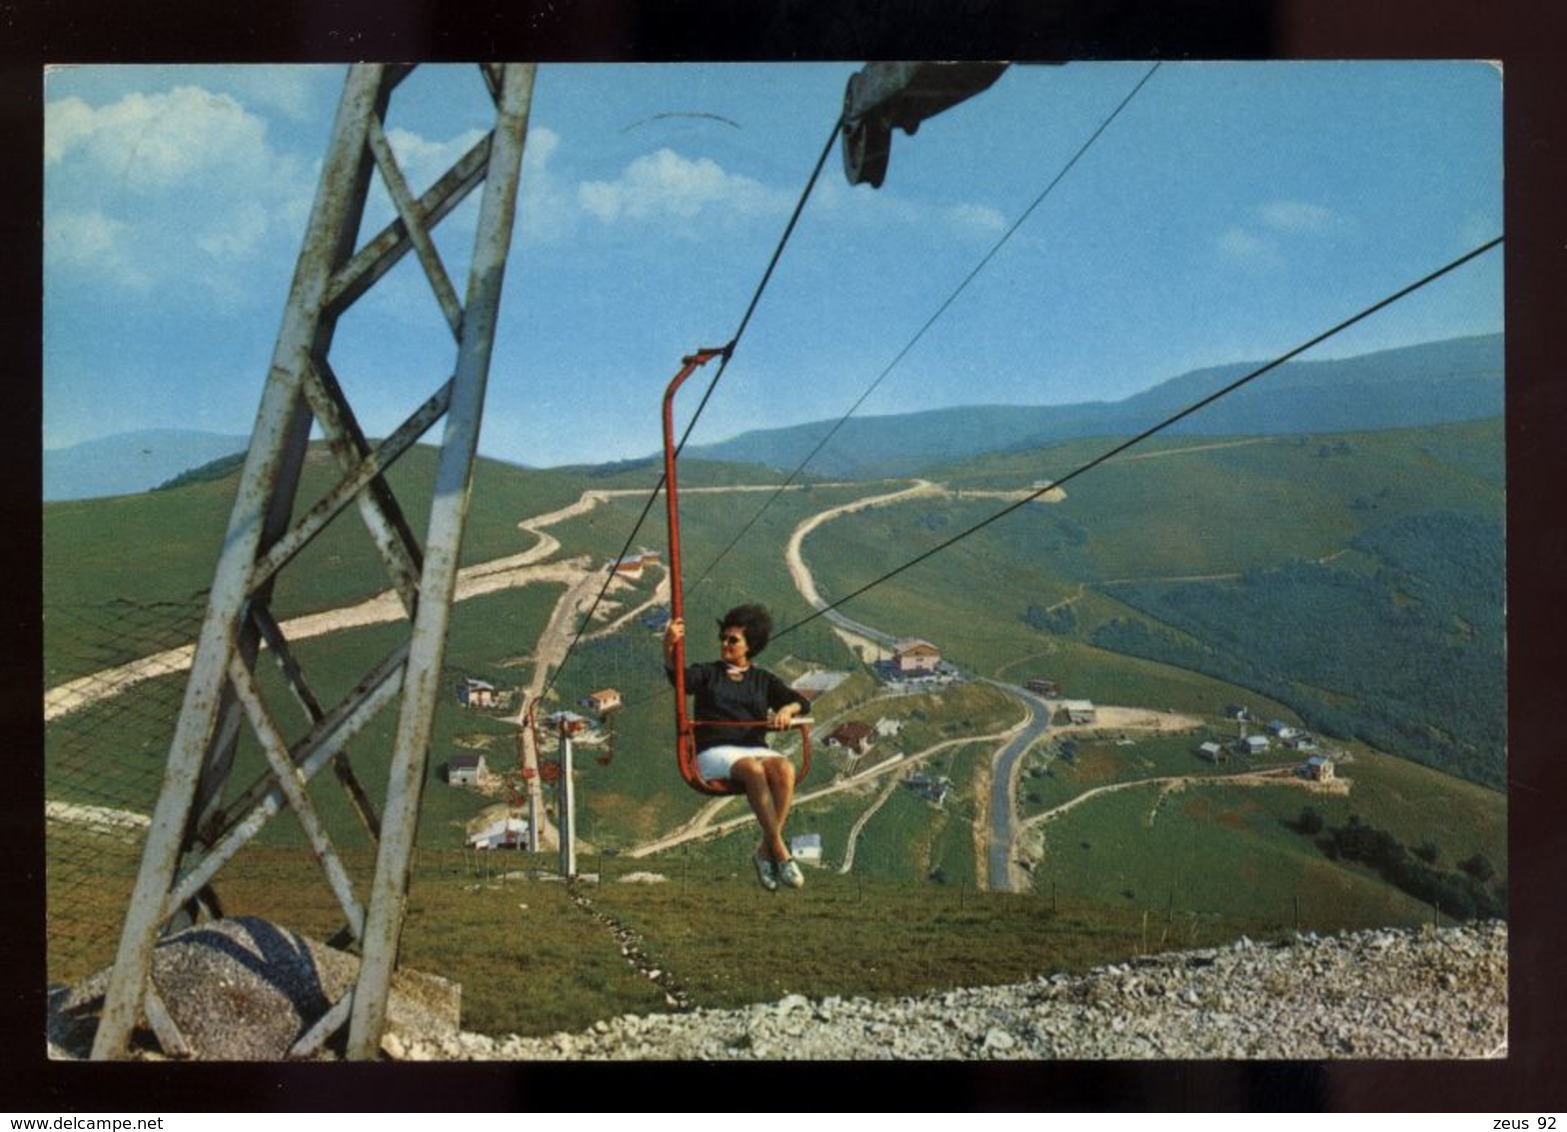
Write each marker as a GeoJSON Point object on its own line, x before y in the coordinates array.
{"type": "Point", "coordinates": [685, 727]}
{"type": "Point", "coordinates": [684, 738]}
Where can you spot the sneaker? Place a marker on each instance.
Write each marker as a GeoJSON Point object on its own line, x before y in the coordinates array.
{"type": "Point", "coordinates": [789, 873]}
{"type": "Point", "coordinates": [764, 873]}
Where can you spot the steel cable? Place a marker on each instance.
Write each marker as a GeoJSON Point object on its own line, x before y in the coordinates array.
{"type": "Point", "coordinates": [931, 321]}
{"type": "Point", "coordinates": [1151, 431]}
{"type": "Point", "coordinates": [727, 354]}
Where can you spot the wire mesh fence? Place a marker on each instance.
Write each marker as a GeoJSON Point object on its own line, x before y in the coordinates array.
{"type": "Point", "coordinates": [115, 682]}
{"type": "Point", "coordinates": [115, 677]}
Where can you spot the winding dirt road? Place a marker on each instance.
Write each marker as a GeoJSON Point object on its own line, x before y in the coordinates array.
{"type": "Point", "coordinates": [580, 581]}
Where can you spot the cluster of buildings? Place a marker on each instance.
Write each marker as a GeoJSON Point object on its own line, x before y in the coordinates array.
{"type": "Point", "coordinates": [1275, 733]}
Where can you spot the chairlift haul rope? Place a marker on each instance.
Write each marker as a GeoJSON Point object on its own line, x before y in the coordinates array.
{"type": "Point", "coordinates": [673, 449]}
{"type": "Point", "coordinates": [727, 352]}
{"type": "Point", "coordinates": [935, 316]}
{"type": "Point", "coordinates": [1151, 431]}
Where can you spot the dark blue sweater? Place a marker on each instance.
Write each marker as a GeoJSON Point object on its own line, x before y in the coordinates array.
{"type": "Point", "coordinates": [747, 699]}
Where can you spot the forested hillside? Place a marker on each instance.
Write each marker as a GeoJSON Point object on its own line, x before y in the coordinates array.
{"type": "Point", "coordinates": [1399, 645]}
{"type": "Point", "coordinates": [1355, 581]}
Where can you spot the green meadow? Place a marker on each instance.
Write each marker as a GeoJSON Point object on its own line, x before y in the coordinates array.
{"type": "Point", "coordinates": [1117, 592]}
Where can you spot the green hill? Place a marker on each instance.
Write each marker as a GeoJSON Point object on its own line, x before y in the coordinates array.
{"type": "Point", "coordinates": [1356, 580]}
{"type": "Point", "coordinates": [1414, 386]}
{"type": "Point", "coordinates": [1351, 582]}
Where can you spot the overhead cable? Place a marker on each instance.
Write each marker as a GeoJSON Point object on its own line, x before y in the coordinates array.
{"type": "Point", "coordinates": [1148, 432]}
{"type": "Point", "coordinates": [728, 353]}
{"type": "Point", "coordinates": [940, 310]}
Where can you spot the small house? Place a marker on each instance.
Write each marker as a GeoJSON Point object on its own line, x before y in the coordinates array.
{"type": "Point", "coordinates": [1318, 768]}
{"type": "Point", "coordinates": [887, 727]}
{"type": "Point", "coordinates": [1236, 711]}
{"type": "Point", "coordinates": [632, 565]}
{"type": "Point", "coordinates": [473, 693]}
{"type": "Point", "coordinates": [465, 770]}
{"type": "Point", "coordinates": [568, 721]}
{"type": "Point", "coordinates": [605, 699]}
{"type": "Point", "coordinates": [1040, 686]}
{"type": "Point", "coordinates": [915, 655]}
{"type": "Point", "coordinates": [510, 832]}
{"type": "Point", "coordinates": [932, 787]}
{"type": "Point", "coordinates": [1213, 752]}
{"type": "Point", "coordinates": [854, 737]}
{"type": "Point", "coordinates": [806, 847]}
{"type": "Point", "coordinates": [1281, 730]}
{"type": "Point", "coordinates": [1080, 711]}
{"type": "Point", "coordinates": [1253, 744]}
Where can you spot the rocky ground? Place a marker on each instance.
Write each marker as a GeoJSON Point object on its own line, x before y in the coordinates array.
{"type": "Point", "coordinates": [1372, 995]}
{"type": "Point", "coordinates": [1386, 994]}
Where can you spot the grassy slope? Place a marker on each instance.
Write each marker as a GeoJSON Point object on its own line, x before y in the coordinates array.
{"type": "Point", "coordinates": [1214, 513]}
{"type": "Point", "coordinates": [1180, 524]}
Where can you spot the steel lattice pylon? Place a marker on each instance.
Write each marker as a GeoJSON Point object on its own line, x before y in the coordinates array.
{"type": "Point", "coordinates": [196, 829]}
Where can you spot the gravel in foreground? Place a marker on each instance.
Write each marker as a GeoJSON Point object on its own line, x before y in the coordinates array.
{"type": "Point", "coordinates": [1387, 994]}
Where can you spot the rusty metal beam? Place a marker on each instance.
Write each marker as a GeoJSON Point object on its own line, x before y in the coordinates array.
{"type": "Point", "coordinates": [448, 513]}
{"type": "Point", "coordinates": [194, 830]}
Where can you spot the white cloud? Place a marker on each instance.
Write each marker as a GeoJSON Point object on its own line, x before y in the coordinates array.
{"type": "Point", "coordinates": [65, 121]}
{"type": "Point", "coordinates": [545, 208]}
{"type": "Point", "coordinates": [1274, 228]}
{"type": "Point", "coordinates": [1243, 246]}
{"type": "Point", "coordinates": [966, 220]}
{"type": "Point", "coordinates": [90, 241]}
{"type": "Point", "coordinates": [238, 235]}
{"type": "Point", "coordinates": [289, 88]}
{"type": "Point", "coordinates": [181, 185]}
{"type": "Point", "coordinates": [1297, 216]}
{"type": "Point", "coordinates": [979, 219]}
{"type": "Point", "coordinates": [665, 185]}
{"type": "Point", "coordinates": [148, 142]}
{"type": "Point", "coordinates": [424, 161]}
{"type": "Point", "coordinates": [542, 144]}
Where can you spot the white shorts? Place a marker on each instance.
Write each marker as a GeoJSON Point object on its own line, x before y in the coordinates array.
{"type": "Point", "coordinates": [719, 762]}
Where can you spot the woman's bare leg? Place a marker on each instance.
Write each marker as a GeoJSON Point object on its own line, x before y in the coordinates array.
{"type": "Point", "coordinates": [752, 777]}
{"type": "Point", "coordinates": [780, 784]}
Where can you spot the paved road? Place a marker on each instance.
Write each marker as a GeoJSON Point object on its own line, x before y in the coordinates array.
{"type": "Point", "coordinates": [1001, 867]}
{"type": "Point", "coordinates": [1002, 874]}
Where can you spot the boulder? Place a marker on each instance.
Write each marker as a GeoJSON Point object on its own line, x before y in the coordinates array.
{"type": "Point", "coordinates": [245, 989]}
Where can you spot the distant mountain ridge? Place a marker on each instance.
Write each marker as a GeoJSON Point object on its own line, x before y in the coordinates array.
{"type": "Point", "coordinates": [131, 462]}
{"type": "Point", "coordinates": [1435, 383]}
{"type": "Point", "coordinates": [1444, 382]}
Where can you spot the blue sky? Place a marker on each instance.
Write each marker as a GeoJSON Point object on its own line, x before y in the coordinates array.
{"type": "Point", "coordinates": [1230, 212]}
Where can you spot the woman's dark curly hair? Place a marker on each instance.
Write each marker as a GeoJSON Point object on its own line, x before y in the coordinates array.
{"type": "Point", "coordinates": [755, 621]}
